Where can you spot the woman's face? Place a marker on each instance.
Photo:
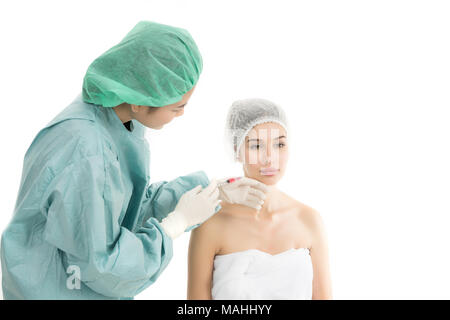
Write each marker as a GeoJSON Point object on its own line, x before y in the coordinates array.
{"type": "Point", "coordinates": [157, 117]}
{"type": "Point", "coordinates": [265, 153]}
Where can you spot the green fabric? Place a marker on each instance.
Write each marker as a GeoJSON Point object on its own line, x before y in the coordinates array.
{"type": "Point", "coordinates": [154, 65]}
{"type": "Point", "coordinates": [85, 201]}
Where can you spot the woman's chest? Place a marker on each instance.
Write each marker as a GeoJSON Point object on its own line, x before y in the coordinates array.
{"type": "Point", "coordinates": [271, 237]}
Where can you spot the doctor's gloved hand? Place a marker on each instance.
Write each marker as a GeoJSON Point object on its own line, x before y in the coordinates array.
{"type": "Point", "coordinates": [194, 207]}
{"type": "Point", "coordinates": [243, 190]}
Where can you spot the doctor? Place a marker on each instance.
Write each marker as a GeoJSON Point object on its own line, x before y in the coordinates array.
{"type": "Point", "coordinates": [87, 223]}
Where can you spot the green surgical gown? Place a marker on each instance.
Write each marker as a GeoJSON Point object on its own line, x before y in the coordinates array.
{"type": "Point", "coordinates": [86, 220]}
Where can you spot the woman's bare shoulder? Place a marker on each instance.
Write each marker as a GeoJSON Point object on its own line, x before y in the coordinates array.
{"type": "Point", "coordinates": [311, 219]}
{"type": "Point", "coordinates": [216, 224]}
{"type": "Point", "coordinates": [306, 213]}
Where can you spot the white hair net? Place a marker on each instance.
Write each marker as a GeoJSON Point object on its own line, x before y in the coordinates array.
{"type": "Point", "coordinates": [245, 114]}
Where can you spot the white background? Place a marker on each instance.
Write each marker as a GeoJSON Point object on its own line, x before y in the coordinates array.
{"type": "Point", "coordinates": [365, 85]}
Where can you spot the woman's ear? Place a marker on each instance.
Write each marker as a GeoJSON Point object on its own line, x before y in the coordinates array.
{"type": "Point", "coordinates": [241, 155]}
{"type": "Point", "coordinates": [135, 108]}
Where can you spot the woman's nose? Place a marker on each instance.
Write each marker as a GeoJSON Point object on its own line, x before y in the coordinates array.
{"type": "Point", "coordinates": [267, 162]}
{"type": "Point", "coordinates": [266, 156]}
{"type": "Point", "coordinates": [270, 157]}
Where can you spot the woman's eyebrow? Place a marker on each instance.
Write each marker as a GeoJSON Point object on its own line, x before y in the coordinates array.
{"type": "Point", "coordinates": [280, 137]}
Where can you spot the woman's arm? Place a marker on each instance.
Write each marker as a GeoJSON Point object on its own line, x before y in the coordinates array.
{"type": "Point", "coordinates": [202, 249]}
{"type": "Point", "coordinates": [320, 259]}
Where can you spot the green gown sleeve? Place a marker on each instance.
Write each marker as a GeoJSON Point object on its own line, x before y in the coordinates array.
{"type": "Point", "coordinates": [162, 197]}
{"type": "Point", "coordinates": [84, 204]}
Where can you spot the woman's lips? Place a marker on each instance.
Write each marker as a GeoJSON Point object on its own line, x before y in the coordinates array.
{"type": "Point", "coordinates": [269, 172]}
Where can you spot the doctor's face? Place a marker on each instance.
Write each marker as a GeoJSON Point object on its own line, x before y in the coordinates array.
{"type": "Point", "coordinates": [265, 153]}
{"type": "Point", "coordinates": [157, 117]}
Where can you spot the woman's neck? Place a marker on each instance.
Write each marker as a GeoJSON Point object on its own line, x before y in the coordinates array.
{"type": "Point", "coordinates": [271, 203]}
{"type": "Point", "coordinates": [123, 112]}
{"type": "Point", "coordinates": [270, 206]}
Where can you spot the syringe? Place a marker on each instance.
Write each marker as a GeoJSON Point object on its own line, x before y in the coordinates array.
{"type": "Point", "coordinates": [228, 181]}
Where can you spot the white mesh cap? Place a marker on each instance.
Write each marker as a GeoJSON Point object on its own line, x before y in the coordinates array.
{"type": "Point", "coordinates": [245, 114]}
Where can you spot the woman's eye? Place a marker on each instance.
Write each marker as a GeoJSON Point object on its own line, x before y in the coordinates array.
{"type": "Point", "coordinates": [254, 147]}
{"type": "Point", "coordinates": [280, 145]}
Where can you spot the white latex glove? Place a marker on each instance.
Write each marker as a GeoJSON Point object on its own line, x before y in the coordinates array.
{"type": "Point", "coordinates": [246, 191]}
{"type": "Point", "coordinates": [194, 207]}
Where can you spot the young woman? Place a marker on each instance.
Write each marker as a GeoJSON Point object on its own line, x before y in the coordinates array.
{"type": "Point", "coordinates": [277, 252]}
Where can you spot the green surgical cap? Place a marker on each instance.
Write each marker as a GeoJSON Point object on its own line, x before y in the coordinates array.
{"type": "Point", "coordinates": [154, 65]}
